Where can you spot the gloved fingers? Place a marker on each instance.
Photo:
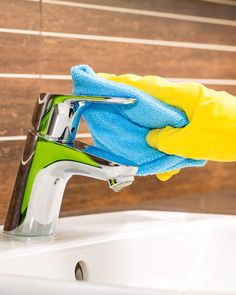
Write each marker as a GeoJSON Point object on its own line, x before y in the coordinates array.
{"type": "Point", "coordinates": [168, 140]}
{"type": "Point", "coordinates": [210, 135]}
{"type": "Point", "coordinates": [181, 142]}
{"type": "Point", "coordinates": [167, 175]}
{"type": "Point", "coordinates": [193, 143]}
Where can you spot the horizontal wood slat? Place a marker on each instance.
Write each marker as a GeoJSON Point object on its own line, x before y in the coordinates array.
{"type": "Point", "coordinates": [26, 54]}
{"type": "Point", "coordinates": [86, 21]}
{"type": "Point", "coordinates": [191, 7]}
{"type": "Point", "coordinates": [20, 14]}
{"type": "Point", "coordinates": [19, 53]}
{"type": "Point", "coordinates": [182, 193]}
{"type": "Point", "coordinates": [17, 101]}
{"type": "Point", "coordinates": [59, 55]}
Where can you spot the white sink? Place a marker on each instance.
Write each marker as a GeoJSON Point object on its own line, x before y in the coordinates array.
{"type": "Point", "coordinates": [134, 252]}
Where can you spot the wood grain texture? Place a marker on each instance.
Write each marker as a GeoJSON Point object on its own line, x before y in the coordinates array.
{"type": "Point", "coordinates": [87, 21]}
{"type": "Point", "coordinates": [19, 14]}
{"type": "Point", "coordinates": [19, 53]}
{"type": "Point", "coordinates": [17, 101]}
{"type": "Point", "coordinates": [60, 55]}
{"type": "Point", "coordinates": [182, 193]}
{"type": "Point", "coordinates": [191, 7]}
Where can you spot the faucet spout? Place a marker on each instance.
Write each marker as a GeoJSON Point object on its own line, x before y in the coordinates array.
{"type": "Point", "coordinates": [50, 159]}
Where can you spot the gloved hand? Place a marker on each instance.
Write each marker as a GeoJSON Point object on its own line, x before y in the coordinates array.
{"type": "Point", "coordinates": [211, 133]}
{"type": "Point", "coordinates": [119, 131]}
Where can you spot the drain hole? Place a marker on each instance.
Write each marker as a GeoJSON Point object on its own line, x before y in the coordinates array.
{"type": "Point", "coordinates": [80, 271]}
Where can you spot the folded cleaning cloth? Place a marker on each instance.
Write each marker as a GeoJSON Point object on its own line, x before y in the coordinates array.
{"type": "Point", "coordinates": [119, 131]}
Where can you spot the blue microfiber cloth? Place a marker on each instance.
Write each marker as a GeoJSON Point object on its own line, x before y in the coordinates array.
{"type": "Point", "coordinates": [119, 131]}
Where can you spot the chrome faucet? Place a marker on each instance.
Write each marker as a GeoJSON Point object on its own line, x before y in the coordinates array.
{"type": "Point", "coordinates": [52, 154]}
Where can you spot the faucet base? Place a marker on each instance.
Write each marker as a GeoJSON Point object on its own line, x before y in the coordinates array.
{"type": "Point", "coordinates": [33, 229]}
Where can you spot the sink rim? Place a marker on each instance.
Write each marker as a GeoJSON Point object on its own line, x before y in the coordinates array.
{"type": "Point", "coordinates": [94, 228]}
{"type": "Point", "coordinates": [85, 230]}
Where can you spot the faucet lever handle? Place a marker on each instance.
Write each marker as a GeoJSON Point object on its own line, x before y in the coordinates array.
{"type": "Point", "coordinates": [57, 116]}
{"type": "Point", "coordinates": [106, 100]}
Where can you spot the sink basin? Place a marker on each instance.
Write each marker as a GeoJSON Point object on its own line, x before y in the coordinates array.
{"type": "Point", "coordinates": [132, 252]}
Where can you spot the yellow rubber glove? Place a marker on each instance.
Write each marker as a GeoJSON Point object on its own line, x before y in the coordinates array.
{"type": "Point", "coordinates": [211, 133]}
{"type": "Point", "coordinates": [167, 175]}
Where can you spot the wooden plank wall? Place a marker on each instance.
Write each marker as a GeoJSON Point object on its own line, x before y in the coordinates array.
{"type": "Point", "coordinates": [25, 49]}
